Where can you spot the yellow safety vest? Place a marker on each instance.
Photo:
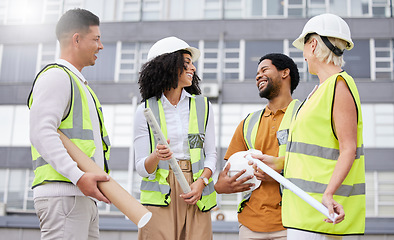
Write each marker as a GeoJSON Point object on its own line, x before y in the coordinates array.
{"type": "Point", "coordinates": [311, 156]}
{"type": "Point", "coordinates": [156, 192]}
{"type": "Point", "coordinates": [250, 127]}
{"type": "Point", "coordinates": [76, 126]}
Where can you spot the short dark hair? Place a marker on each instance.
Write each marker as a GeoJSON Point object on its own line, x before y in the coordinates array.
{"type": "Point", "coordinates": [162, 73]}
{"type": "Point", "coordinates": [281, 62]}
{"type": "Point", "coordinates": [75, 20]}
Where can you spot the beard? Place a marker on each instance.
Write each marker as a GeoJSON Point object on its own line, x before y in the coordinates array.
{"type": "Point", "coordinates": [271, 90]}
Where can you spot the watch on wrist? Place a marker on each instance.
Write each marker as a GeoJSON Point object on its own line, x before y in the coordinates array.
{"type": "Point", "coordinates": [204, 180]}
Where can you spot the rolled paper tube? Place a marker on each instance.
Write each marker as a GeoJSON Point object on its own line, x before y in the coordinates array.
{"type": "Point", "coordinates": [162, 140]}
{"type": "Point", "coordinates": [292, 187]}
{"type": "Point", "coordinates": [126, 203]}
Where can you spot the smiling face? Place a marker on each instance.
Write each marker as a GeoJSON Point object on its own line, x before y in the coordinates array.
{"type": "Point", "coordinates": [89, 45]}
{"type": "Point", "coordinates": [268, 80]}
{"type": "Point", "coordinates": [186, 77]}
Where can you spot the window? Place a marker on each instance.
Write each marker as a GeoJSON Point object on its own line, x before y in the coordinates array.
{"type": "Point", "coordinates": [209, 60]}
{"type": "Point", "coordinates": [185, 9]}
{"type": "Point", "coordinates": [153, 10]}
{"type": "Point", "coordinates": [379, 194]}
{"type": "Point", "coordinates": [129, 10]}
{"type": "Point", "coordinates": [298, 59]}
{"type": "Point", "coordinates": [104, 69]}
{"type": "Point", "coordinates": [47, 53]}
{"type": "Point", "coordinates": [233, 67]}
{"type": "Point", "coordinates": [357, 62]}
{"type": "Point", "coordinates": [254, 50]}
{"type": "Point", "coordinates": [316, 7]}
{"type": "Point", "coordinates": [381, 59]}
{"type": "Point", "coordinates": [233, 9]}
{"type": "Point", "coordinates": [295, 8]}
{"type": "Point", "coordinates": [212, 9]}
{"type": "Point", "coordinates": [104, 9]}
{"type": "Point", "coordinates": [126, 62]}
{"type": "Point", "coordinates": [18, 63]}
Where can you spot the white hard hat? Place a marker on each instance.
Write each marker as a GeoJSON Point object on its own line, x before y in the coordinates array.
{"type": "Point", "coordinates": [170, 45]}
{"type": "Point", "coordinates": [328, 25]}
{"type": "Point", "coordinates": [238, 162]}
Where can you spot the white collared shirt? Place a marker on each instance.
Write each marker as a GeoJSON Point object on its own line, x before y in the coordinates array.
{"type": "Point", "coordinates": [177, 120]}
{"type": "Point", "coordinates": [51, 103]}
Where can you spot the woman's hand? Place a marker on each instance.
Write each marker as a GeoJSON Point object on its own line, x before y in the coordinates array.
{"type": "Point", "coordinates": [195, 194]}
{"type": "Point", "coordinates": [333, 207]}
{"type": "Point", "coordinates": [163, 152]}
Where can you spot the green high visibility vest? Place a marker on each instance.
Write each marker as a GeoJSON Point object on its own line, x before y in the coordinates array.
{"type": "Point", "coordinates": [250, 127]}
{"type": "Point", "coordinates": [311, 156]}
{"type": "Point", "coordinates": [76, 126]}
{"type": "Point", "coordinates": [156, 192]}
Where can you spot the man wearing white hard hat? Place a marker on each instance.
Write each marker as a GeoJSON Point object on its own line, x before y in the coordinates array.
{"type": "Point", "coordinates": [326, 156]}
{"type": "Point", "coordinates": [169, 86]}
{"type": "Point", "coordinates": [259, 213]}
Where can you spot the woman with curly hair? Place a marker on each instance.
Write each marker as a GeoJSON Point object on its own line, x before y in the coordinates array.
{"type": "Point", "coordinates": [169, 86]}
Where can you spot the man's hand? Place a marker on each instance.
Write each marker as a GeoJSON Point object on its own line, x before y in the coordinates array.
{"type": "Point", "coordinates": [276, 163]}
{"type": "Point", "coordinates": [227, 184]}
{"type": "Point", "coordinates": [88, 185]}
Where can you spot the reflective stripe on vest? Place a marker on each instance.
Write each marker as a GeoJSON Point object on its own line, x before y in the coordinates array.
{"type": "Point", "coordinates": [283, 132]}
{"type": "Point", "coordinates": [157, 191]}
{"type": "Point", "coordinates": [311, 156]}
{"type": "Point", "coordinates": [76, 126]}
{"type": "Point", "coordinates": [250, 127]}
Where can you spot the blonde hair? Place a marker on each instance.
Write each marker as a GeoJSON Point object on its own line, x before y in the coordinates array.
{"type": "Point", "coordinates": [324, 54]}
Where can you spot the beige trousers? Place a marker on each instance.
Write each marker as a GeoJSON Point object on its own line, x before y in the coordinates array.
{"type": "Point", "coordinates": [68, 218]}
{"type": "Point", "coordinates": [179, 220]}
{"type": "Point", "coordinates": [247, 234]}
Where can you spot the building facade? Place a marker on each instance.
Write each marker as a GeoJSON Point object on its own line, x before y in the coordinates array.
{"type": "Point", "coordinates": [232, 35]}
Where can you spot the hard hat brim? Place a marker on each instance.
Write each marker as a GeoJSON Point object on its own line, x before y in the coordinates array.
{"type": "Point", "coordinates": [195, 53]}
{"type": "Point", "coordinates": [299, 42]}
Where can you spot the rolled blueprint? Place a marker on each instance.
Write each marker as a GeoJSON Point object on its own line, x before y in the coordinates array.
{"type": "Point", "coordinates": [292, 187]}
{"type": "Point", "coordinates": [162, 140]}
{"type": "Point", "coordinates": [126, 203]}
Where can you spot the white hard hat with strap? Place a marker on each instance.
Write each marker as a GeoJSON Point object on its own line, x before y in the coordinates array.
{"type": "Point", "coordinates": [170, 45]}
{"type": "Point", "coordinates": [326, 25]}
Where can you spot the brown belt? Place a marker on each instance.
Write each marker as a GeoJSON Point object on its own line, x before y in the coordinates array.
{"type": "Point", "coordinates": [185, 165]}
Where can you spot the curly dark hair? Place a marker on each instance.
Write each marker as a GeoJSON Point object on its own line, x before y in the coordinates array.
{"type": "Point", "coordinates": [162, 73]}
{"type": "Point", "coordinates": [281, 62]}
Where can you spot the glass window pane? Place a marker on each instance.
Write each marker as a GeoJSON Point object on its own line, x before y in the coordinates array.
{"type": "Point", "coordinates": [233, 9]}
{"type": "Point", "coordinates": [254, 50]}
{"type": "Point", "coordinates": [339, 7]}
{"type": "Point", "coordinates": [357, 7]}
{"type": "Point", "coordinates": [2, 183]}
{"type": "Point", "coordinates": [274, 8]}
{"type": "Point", "coordinates": [16, 189]}
{"type": "Point", "coordinates": [209, 76]}
{"type": "Point", "coordinates": [104, 69]}
{"type": "Point", "coordinates": [104, 9]}
{"type": "Point", "coordinates": [296, 1]}
{"type": "Point", "coordinates": [232, 65]}
{"type": "Point", "coordinates": [254, 8]}
{"type": "Point", "coordinates": [358, 60]}
{"type": "Point", "coordinates": [6, 121]}
{"type": "Point", "coordinates": [228, 76]}
{"type": "Point", "coordinates": [18, 63]}
{"type": "Point", "coordinates": [20, 133]}
{"type": "Point", "coordinates": [193, 9]}
{"type": "Point", "coordinates": [293, 12]}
